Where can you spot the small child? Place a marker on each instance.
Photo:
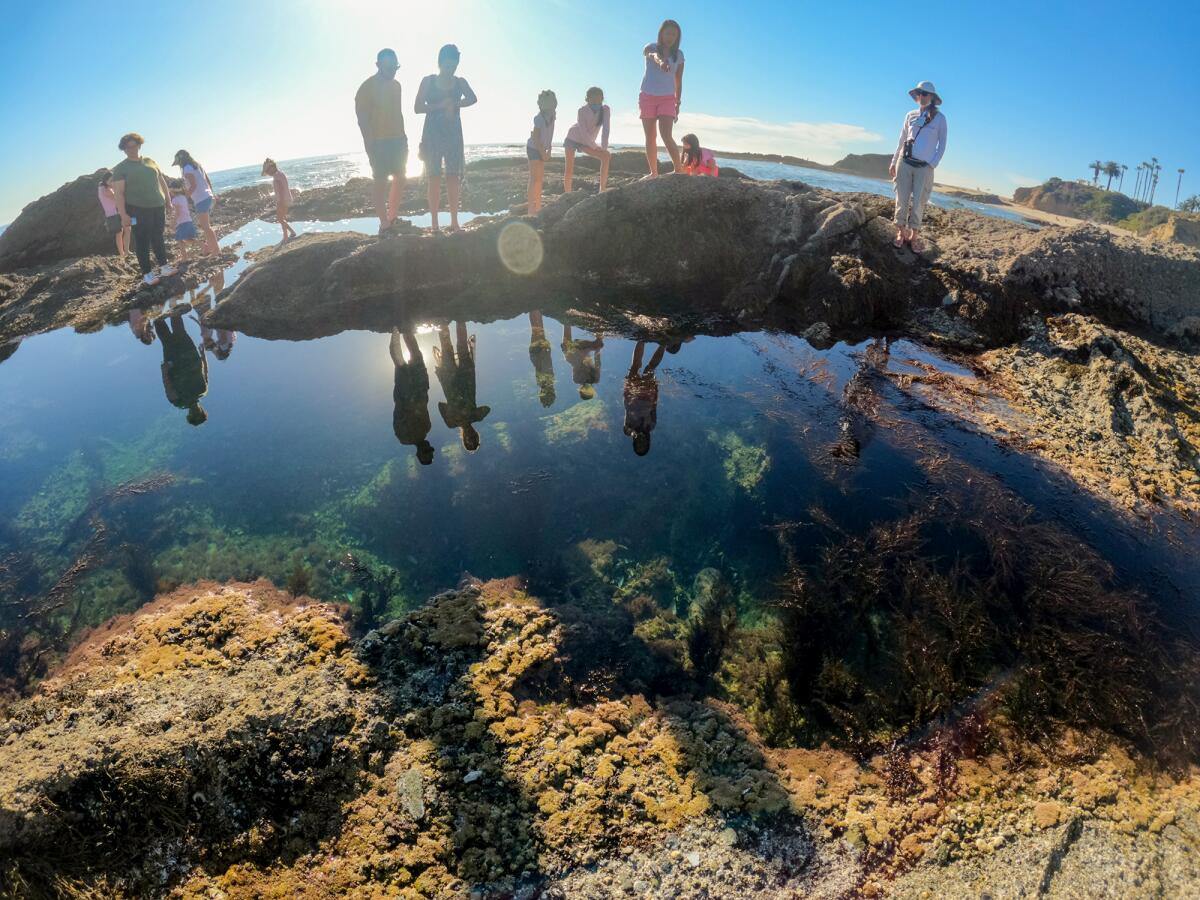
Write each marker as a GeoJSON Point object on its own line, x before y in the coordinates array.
{"type": "Point", "coordinates": [112, 218]}
{"type": "Point", "coordinates": [283, 196]}
{"type": "Point", "coordinates": [185, 228]}
{"type": "Point", "coordinates": [695, 159]}
{"type": "Point", "coordinates": [538, 148]}
{"type": "Point", "coordinates": [595, 119]}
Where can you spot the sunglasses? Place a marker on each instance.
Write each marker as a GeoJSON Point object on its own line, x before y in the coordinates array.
{"type": "Point", "coordinates": [922, 93]}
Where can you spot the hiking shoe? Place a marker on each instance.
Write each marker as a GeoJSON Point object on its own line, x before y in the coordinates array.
{"type": "Point", "coordinates": [167, 271]}
{"type": "Point", "coordinates": [149, 279]}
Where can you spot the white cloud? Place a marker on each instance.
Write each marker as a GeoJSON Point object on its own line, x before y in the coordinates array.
{"type": "Point", "coordinates": [829, 140]}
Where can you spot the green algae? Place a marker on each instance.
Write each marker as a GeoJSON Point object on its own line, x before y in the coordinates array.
{"type": "Point", "coordinates": [744, 464]}
{"type": "Point", "coordinates": [576, 422]}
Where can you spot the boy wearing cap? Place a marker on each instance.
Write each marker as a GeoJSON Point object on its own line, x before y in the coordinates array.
{"type": "Point", "coordinates": [380, 113]}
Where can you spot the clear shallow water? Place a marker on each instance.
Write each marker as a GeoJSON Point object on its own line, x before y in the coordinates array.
{"type": "Point", "coordinates": [836, 503]}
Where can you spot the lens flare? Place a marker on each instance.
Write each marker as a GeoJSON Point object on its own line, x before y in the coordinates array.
{"type": "Point", "coordinates": [520, 248]}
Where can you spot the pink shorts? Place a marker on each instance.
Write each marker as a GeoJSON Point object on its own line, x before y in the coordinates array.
{"type": "Point", "coordinates": [652, 106]}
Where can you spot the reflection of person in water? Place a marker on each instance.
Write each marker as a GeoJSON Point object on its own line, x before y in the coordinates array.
{"type": "Point", "coordinates": [221, 344]}
{"type": "Point", "coordinates": [541, 357]}
{"type": "Point", "coordinates": [641, 398]}
{"type": "Point", "coordinates": [139, 324]}
{"type": "Point", "coordinates": [184, 368]}
{"type": "Point", "coordinates": [457, 377]}
{"type": "Point", "coordinates": [584, 357]}
{"type": "Point", "coordinates": [410, 418]}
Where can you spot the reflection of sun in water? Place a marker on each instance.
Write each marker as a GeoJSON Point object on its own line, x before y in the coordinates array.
{"type": "Point", "coordinates": [520, 248]}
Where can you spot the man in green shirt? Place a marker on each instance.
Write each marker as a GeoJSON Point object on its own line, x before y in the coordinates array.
{"type": "Point", "coordinates": [380, 112]}
{"type": "Point", "coordinates": [142, 197]}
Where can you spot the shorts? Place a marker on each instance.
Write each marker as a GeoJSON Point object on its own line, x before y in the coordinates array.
{"type": "Point", "coordinates": [452, 157]}
{"type": "Point", "coordinates": [651, 106]}
{"type": "Point", "coordinates": [205, 205]}
{"type": "Point", "coordinates": [112, 224]}
{"type": "Point", "coordinates": [186, 231]}
{"type": "Point", "coordinates": [532, 153]}
{"type": "Point", "coordinates": [569, 144]}
{"type": "Point", "coordinates": [388, 157]}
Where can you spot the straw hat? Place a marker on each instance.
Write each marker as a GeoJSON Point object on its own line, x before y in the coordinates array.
{"type": "Point", "coordinates": [927, 87]}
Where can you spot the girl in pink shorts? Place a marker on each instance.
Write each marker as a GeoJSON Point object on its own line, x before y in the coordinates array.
{"type": "Point", "coordinates": [662, 91]}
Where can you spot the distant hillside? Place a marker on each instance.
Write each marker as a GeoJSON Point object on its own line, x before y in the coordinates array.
{"type": "Point", "coordinates": [771, 158]}
{"type": "Point", "coordinates": [1079, 201]}
{"type": "Point", "coordinates": [869, 165]}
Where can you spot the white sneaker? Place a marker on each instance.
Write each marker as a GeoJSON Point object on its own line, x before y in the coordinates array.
{"type": "Point", "coordinates": [167, 271]}
{"type": "Point", "coordinates": [149, 279]}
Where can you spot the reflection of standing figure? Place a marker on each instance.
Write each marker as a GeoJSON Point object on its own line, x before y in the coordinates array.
{"type": "Point", "coordinates": [222, 344]}
{"type": "Point", "coordinates": [457, 377]}
{"type": "Point", "coordinates": [542, 358]}
{"type": "Point", "coordinates": [584, 357]}
{"type": "Point", "coordinates": [139, 324]}
{"type": "Point", "coordinates": [641, 398]}
{"type": "Point", "coordinates": [410, 418]}
{"type": "Point", "coordinates": [184, 368]}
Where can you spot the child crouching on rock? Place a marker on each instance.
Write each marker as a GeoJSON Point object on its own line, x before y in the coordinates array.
{"type": "Point", "coordinates": [595, 119]}
{"type": "Point", "coordinates": [185, 228]}
{"type": "Point", "coordinates": [541, 139]}
{"type": "Point", "coordinates": [695, 159]}
{"type": "Point", "coordinates": [283, 196]}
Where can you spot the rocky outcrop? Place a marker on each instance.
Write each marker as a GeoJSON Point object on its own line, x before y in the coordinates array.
{"type": "Point", "coordinates": [1078, 201]}
{"type": "Point", "coordinates": [85, 293]}
{"type": "Point", "coordinates": [64, 224]}
{"type": "Point", "coordinates": [740, 251]}
{"type": "Point", "coordinates": [868, 165]}
{"type": "Point", "coordinates": [1179, 230]}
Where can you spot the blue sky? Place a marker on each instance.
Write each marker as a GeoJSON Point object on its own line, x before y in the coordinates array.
{"type": "Point", "coordinates": [1031, 89]}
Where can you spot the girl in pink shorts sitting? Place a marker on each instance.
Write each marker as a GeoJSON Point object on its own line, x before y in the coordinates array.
{"type": "Point", "coordinates": [695, 159]}
{"type": "Point", "coordinates": [662, 91]}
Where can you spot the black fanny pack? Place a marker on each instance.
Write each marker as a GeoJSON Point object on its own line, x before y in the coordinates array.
{"type": "Point", "coordinates": [915, 163]}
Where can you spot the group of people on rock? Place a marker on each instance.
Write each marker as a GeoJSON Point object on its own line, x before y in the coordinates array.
{"type": "Point", "coordinates": [454, 366]}
{"type": "Point", "coordinates": [135, 196]}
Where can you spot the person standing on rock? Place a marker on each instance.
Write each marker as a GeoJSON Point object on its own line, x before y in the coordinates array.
{"type": "Point", "coordinates": [380, 110]}
{"type": "Point", "coordinates": [141, 192]}
{"type": "Point", "coordinates": [112, 219]}
{"type": "Point", "coordinates": [439, 99]}
{"type": "Point", "coordinates": [200, 191]}
{"type": "Point", "coordinates": [662, 92]}
{"type": "Point", "coordinates": [921, 146]}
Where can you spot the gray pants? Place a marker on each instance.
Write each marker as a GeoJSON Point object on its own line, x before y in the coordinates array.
{"type": "Point", "coordinates": [913, 187]}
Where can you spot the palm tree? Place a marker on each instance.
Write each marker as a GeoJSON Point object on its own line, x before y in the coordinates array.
{"type": "Point", "coordinates": [1145, 180]}
{"type": "Point", "coordinates": [1121, 183]}
{"type": "Point", "coordinates": [1096, 166]}
{"type": "Point", "coordinates": [1155, 168]}
{"type": "Point", "coordinates": [1178, 184]}
{"type": "Point", "coordinates": [1137, 185]}
{"type": "Point", "coordinates": [1112, 169]}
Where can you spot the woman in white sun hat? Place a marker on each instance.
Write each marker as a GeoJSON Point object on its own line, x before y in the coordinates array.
{"type": "Point", "coordinates": [922, 143]}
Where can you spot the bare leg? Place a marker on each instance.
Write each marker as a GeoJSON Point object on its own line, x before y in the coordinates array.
{"type": "Point", "coordinates": [121, 243]}
{"type": "Point", "coordinates": [453, 186]}
{"type": "Point", "coordinates": [379, 190]}
{"type": "Point", "coordinates": [665, 125]}
{"type": "Point", "coordinates": [638, 349]}
{"type": "Point", "coordinates": [435, 199]}
{"type": "Point", "coordinates": [914, 238]}
{"type": "Point", "coordinates": [210, 236]}
{"type": "Point", "coordinates": [568, 168]}
{"type": "Point", "coordinates": [464, 342]}
{"type": "Point", "coordinates": [396, 200]}
{"type": "Point", "coordinates": [124, 240]}
{"type": "Point", "coordinates": [655, 359]}
{"type": "Point", "coordinates": [533, 195]}
{"type": "Point", "coordinates": [605, 162]}
{"type": "Point", "coordinates": [651, 146]}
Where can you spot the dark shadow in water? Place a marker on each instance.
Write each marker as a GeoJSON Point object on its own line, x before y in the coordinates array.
{"type": "Point", "coordinates": [456, 374]}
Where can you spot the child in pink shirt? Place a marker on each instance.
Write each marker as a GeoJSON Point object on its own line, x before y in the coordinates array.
{"type": "Point", "coordinates": [112, 218]}
{"type": "Point", "coordinates": [283, 197]}
{"type": "Point", "coordinates": [695, 160]}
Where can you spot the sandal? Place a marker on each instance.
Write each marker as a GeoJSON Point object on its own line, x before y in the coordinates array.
{"type": "Point", "coordinates": [898, 243]}
{"type": "Point", "coordinates": [916, 245]}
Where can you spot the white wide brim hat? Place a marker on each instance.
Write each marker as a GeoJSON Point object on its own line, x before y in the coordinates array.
{"type": "Point", "coordinates": [928, 87]}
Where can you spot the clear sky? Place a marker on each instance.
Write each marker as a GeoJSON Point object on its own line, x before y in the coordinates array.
{"type": "Point", "coordinates": [1031, 89]}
